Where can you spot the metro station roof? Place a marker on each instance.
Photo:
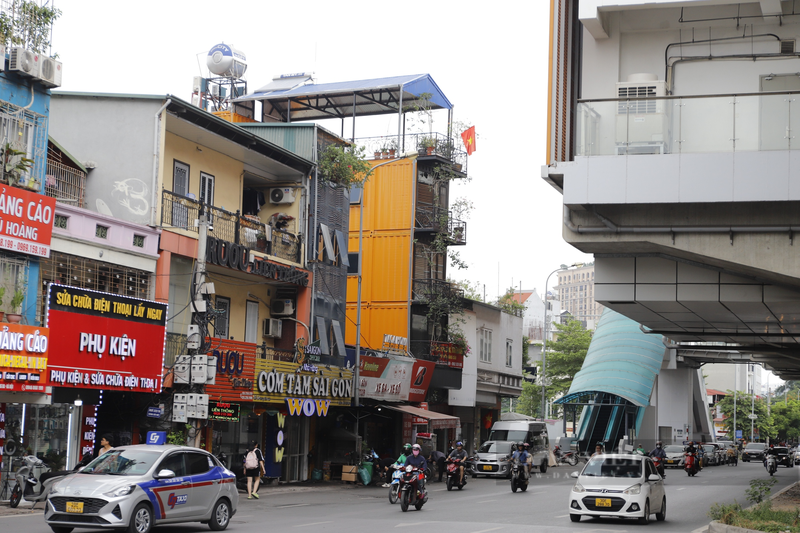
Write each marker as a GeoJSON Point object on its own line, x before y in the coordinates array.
{"type": "Point", "coordinates": [622, 360]}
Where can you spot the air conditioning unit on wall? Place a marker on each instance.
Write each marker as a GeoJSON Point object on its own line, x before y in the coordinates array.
{"type": "Point", "coordinates": [643, 125]}
{"type": "Point", "coordinates": [282, 195]}
{"type": "Point", "coordinates": [24, 62]}
{"type": "Point", "coordinates": [50, 72]}
{"type": "Point", "coordinates": [282, 307]}
{"type": "Point", "coordinates": [272, 327]}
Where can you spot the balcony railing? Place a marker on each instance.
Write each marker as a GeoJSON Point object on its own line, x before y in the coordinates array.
{"type": "Point", "coordinates": [425, 290]}
{"type": "Point", "coordinates": [174, 346]}
{"type": "Point", "coordinates": [65, 184]}
{"type": "Point", "coordinates": [429, 144]}
{"type": "Point", "coordinates": [429, 219]}
{"type": "Point", "coordinates": [265, 352]}
{"type": "Point", "coordinates": [180, 212]}
{"type": "Point", "coordinates": [688, 124]}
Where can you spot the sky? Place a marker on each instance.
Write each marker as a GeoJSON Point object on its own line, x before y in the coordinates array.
{"type": "Point", "coordinates": [490, 61]}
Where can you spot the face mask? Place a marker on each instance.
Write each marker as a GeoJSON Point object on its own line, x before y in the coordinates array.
{"type": "Point", "coordinates": [658, 446]}
{"type": "Point", "coordinates": [416, 452]}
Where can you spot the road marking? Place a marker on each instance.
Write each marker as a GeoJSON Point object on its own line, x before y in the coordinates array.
{"type": "Point", "coordinates": [487, 501]}
{"type": "Point", "coordinates": [487, 530]}
{"type": "Point", "coordinates": [414, 524]}
{"type": "Point", "coordinates": [681, 488]}
{"type": "Point", "coordinates": [562, 516]}
{"type": "Point", "coordinates": [292, 505]}
{"type": "Point", "coordinates": [313, 524]}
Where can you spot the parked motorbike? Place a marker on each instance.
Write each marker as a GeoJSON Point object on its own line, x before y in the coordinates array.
{"type": "Point", "coordinates": [569, 457]}
{"type": "Point", "coordinates": [394, 488]}
{"type": "Point", "coordinates": [519, 478]}
{"type": "Point", "coordinates": [25, 487]}
{"type": "Point", "coordinates": [454, 477]}
{"type": "Point", "coordinates": [411, 489]}
{"type": "Point", "coordinates": [772, 464]}
{"type": "Point", "coordinates": [690, 464]}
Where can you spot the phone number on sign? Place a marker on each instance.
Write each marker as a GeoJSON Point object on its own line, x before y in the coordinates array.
{"type": "Point", "coordinates": [28, 248]}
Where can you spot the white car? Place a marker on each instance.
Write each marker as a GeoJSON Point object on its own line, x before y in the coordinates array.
{"type": "Point", "coordinates": [618, 485]}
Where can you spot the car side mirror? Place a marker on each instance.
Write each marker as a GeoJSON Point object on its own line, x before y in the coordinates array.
{"type": "Point", "coordinates": [575, 475]}
{"type": "Point", "coordinates": [164, 474]}
{"type": "Point", "coordinates": [654, 477]}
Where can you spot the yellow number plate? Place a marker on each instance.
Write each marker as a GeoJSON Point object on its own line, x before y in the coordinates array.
{"type": "Point", "coordinates": [487, 467]}
{"type": "Point", "coordinates": [74, 507]}
{"type": "Point", "coordinates": [670, 461]}
{"type": "Point", "coordinates": [602, 502]}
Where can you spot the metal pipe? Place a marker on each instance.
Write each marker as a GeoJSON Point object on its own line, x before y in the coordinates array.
{"type": "Point", "coordinates": [155, 162]}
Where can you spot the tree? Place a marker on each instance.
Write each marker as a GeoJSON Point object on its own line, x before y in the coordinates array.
{"type": "Point", "coordinates": [743, 411]}
{"type": "Point", "coordinates": [471, 290]}
{"type": "Point", "coordinates": [508, 303]}
{"type": "Point", "coordinates": [786, 420]}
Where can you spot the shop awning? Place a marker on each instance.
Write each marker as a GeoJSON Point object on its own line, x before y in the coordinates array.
{"type": "Point", "coordinates": [437, 420]}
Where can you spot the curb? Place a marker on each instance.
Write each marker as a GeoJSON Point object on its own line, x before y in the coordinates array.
{"type": "Point", "coordinates": [716, 527]}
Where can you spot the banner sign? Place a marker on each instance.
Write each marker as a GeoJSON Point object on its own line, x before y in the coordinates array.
{"type": "Point", "coordinates": [105, 341]}
{"type": "Point", "coordinates": [395, 378]}
{"type": "Point", "coordinates": [278, 381]}
{"type": "Point", "coordinates": [447, 354]}
{"type": "Point", "coordinates": [23, 358]}
{"type": "Point", "coordinates": [235, 370]}
{"type": "Point", "coordinates": [88, 430]}
{"type": "Point", "coordinates": [26, 221]}
{"type": "Point", "coordinates": [154, 412]}
{"type": "Point", "coordinates": [224, 411]}
{"type": "Point", "coordinates": [394, 343]}
{"type": "Point", "coordinates": [237, 257]}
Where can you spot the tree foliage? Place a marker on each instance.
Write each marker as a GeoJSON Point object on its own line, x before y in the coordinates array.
{"type": "Point", "coordinates": [27, 24]}
{"type": "Point", "coordinates": [744, 404]}
{"type": "Point", "coordinates": [508, 303]}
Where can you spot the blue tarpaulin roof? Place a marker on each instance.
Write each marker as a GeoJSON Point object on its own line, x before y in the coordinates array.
{"type": "Point", "coordinates": [341, 99]}
{"type": "Point", "coordinates": [622, 360]}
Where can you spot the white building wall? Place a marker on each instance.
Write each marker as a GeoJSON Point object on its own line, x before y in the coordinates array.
{"type": "Point", "coordinates": [674, 402]}
{"type": "Point", "coordinates": [465, 396]}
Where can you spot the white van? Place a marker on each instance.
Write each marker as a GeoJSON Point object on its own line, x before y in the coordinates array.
{"type": "Point", "coordinates": [534, 433]}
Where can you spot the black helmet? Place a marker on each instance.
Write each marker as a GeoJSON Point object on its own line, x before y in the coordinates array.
{"type": "Point", "coordinates": [520, 444]}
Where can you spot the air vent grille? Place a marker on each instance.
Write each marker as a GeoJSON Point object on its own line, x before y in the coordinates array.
{"type": "Point", "coordinates": [637, 107]}
{"type": "Point", "coordinates": [787, 46]}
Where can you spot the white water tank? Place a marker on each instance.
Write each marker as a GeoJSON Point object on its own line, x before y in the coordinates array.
{"type": "Point", "coordinates": [225, 60]}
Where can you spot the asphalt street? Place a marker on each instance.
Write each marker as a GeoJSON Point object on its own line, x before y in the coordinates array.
{"type": "Point", "coordinates": [483, 506]}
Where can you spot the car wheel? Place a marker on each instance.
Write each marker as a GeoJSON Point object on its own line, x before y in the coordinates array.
{"type": "Point", "coordinates": [543, 466]}
{"type": "Point", "coordinates": [221, 516]}
{"type": "Point", "coordinates": [141, 519]}
{"type": "Point", "coordinates": [644, 520]}
{"type": "Point", "coordinates": [662, 515]}
{"type": "Point", "coordinates": [575, 517]}
{"type": "Point", "coordinates": [59, 529]}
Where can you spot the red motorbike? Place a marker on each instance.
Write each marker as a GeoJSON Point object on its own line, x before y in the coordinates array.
{"type": "Point", "coordinates": [454, 477]}
{"type": "Point", "coordinates": [412, 491]}
{"type": "Point", "coordinates": [659, 464]}
{"type": "Point", "coordinates": [690, 464]}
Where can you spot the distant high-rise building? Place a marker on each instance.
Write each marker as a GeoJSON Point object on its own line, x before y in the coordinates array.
{"type": "Point", "coordinates": [575, 291]}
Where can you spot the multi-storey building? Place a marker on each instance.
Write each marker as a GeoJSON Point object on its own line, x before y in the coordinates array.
{"type": "Point", "coordinates": [575, 291]}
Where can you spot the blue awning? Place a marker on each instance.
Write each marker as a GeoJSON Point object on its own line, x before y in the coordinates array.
{"type": "Point", "coordinates": [622, 360]}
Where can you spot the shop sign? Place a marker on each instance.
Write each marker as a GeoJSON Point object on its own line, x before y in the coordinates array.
{"type": "Point", "coordinates": [26, 221]}
{"type": "Point", "coordinates": [224, 411]}
{"type": "Point", "coordinates": [235, 367]}
{"type": "Point", "coordinates": [394, 378]}
{"type": "Point", "coordinates": [154, 412]}
{"type": "Point", "coordinates": [421, 375]}
{"type": "Point", "coordinates": [276, 381]}
{"type": "Point", "coordinates": [308, 352]}
{"type": "Point", "coordinates": [307, 407]}
{"type": "Point", "coordinates": [237, 257]}
{"type": "Point", "coordinates": [23, 358]}
{"type": "Point", "coordinates": [447, 354]}
{"type": "Point", "coordinates": [105, 341]}
{"type": "Point", "coordinates": [88, 429]}
{"type": "Point", "coordinates": [394, 343]}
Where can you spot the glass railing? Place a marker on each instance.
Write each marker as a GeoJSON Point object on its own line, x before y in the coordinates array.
{"type": "Point", "coordinates": [688, 124]}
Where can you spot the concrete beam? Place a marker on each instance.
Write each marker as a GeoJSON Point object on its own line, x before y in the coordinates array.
{"type": "Point", "coordinates": [770, 7]}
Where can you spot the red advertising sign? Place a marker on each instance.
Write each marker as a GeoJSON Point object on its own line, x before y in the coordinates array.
{"type": "Point", "coordinates": [23, 358]}
{"type": "Point", "coordinates": [447, 354]}
{"type": "Point", "coordinates": [88, 430]}
{"type": "Point", "coordinates": [105, 341]}
{"type": "Point", "coordinates": [372, 367]}
{"type": "Point", "coordinates": [420, 380]}
{"type": "Point", "coordinates": [26, 221]}
{"type": "Point", "coordinates": [235, 370]}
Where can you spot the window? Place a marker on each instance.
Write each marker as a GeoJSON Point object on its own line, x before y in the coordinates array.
{"type": "Point", "coordinates": [101, 232]}
{"type": "Point", "coordinates": [138, 241]}
{"type": "Point", "coordinates": [175, 463]}
{"type": "Point", "coordinates": [352, 269]}
{"type": "Point", "coordinates": [180, 178]}
{"type": "Point", "coordinates": [508, 352]}
{"type": "Point", "coordinates": [223, 306]}
{"type": "Point", "coordinates": [60, 221]}
{"type": "Point", "coordinates": [251, 322]}
{"type": "Point", "coordinates": [206, 188]}
{"type": "Point", "coordinates": [485, 345]}
{"type": "Point", "coordinates": [197, 463]}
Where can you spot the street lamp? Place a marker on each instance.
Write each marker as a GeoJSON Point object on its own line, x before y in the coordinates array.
{"type": "Point", "coordinates": [544, 341]}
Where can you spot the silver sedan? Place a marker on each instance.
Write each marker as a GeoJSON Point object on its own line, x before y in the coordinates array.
{"type": "Point", "coordinates": [133, 488]}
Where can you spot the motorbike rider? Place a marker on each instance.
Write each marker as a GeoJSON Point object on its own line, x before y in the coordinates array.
{"type": "Point", "coordinates": [459, 453]}
{"type": "Point", "coordinates": [522, 454]}
{"type": "Point", "coordinates": [659, 452]}
{"type": "Point", "coordinates": [598, 449]}
{"type": "Point", "coordinates": [400, 461]}
{"type": "Point", "coordinates": [640, 450]}
{"type": "Point", "coordinates": [770, 451]}
{"type": "Point", "coordinates": [417, 460]}
{"type": "Point", "coordinates": [691, 450]}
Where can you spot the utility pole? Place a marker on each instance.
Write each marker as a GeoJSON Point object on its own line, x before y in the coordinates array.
{"type": "Point", "coordinates": [735, 387]}
{"type": "Point", "coordinates": [199, 317]}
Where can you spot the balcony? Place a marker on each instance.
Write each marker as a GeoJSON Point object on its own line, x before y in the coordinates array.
{"type": "Point", "coordinates": [181, 212]}
{"type": "Point", "coordinates": [684, 149]}
{"type": "Point", "coordinates": [425, 290]}
{"type": "Point", "coordinates": [434, 146]}
{"type": "Point", "coordinates": [433, 219]}
{"type": "Point", "coordinates": [64, 183]}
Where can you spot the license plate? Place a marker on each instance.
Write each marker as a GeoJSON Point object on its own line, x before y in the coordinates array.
{"type": "Point", "coordinates": [670, 461]}
{"type": "Point", "coordinates": [487, 467]}
{"type": "Point", "coordinates": [74, 507]}
{"type": "Point", "coordinates": [602, 502]}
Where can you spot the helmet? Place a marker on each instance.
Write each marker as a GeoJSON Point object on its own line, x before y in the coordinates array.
{"type": "Point", "coordinates": [416, 447]}
{"type": "Point", "coordinates": [520, 444]}
{"type": "Point", "coordinates": [459, 443]}
{"type": "Point", "coordinates": [556, 448]}
{"type": "Point", "coordinates": [407, 446]}
{"type": "Point", "coordinates": [658, 444]}
{"type": "Point", "coordinates": [527, 445]}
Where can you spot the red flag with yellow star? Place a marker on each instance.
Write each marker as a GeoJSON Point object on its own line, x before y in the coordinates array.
{"type": "Point", "coordinates": [469, 140]}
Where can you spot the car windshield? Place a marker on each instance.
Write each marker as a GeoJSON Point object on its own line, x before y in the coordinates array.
{"type": "Point", "coordinates": [613, 467]}
{"type": "Point", "coordinates": [673, 448]}
{"type": "Point", "coordinates": [756, 446]}
{"type": "Point", "coordinates": [709, 448]}
{"type": "Point", "coordinates": [782, 451]}
{"type": "Point", "coordinates": [508, 434]}
{"type": "Point", "coordinates": [123, 462]}
{"type": "Point", "coordinates": [495, 447]}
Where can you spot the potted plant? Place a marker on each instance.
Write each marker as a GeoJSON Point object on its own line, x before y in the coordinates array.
{"type": "Point", "coordinates": [15, 316]}
{"type": "Point", "coordinates": [377, 154]}
{"type": "Point", "coordinates": [385, 151]}
{"type": "Point", "coordinates": [392, 148]}
{"type": "Point", "coordinates": [15, 164]}
{"type": "Point", "coordinates": [344, 166]}
{"type": "Point", "coordinates": [261, 241]}
{"type": "Point", "coordinates": [429, 144]}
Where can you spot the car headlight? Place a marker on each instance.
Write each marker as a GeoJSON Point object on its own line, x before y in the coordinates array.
{"type": "Point", "coordinates": [578, 488]}
{"type": "Point", "coordinates": [54, 489]}
{"type": "Point", "coordinates": [120, 491]}
{"type": "Point", "coordinates": [636, 489]}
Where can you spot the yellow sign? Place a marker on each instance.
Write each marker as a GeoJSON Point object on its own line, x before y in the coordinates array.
{"type": "Point", "coordinates": [275, 381]}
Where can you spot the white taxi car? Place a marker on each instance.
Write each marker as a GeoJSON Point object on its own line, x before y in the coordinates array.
{"type": "Point", "coordinates": [133, 488]}
{"type": "Point", "coordinates": [618, 485]}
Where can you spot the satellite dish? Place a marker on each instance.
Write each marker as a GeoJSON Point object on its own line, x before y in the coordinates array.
{"type": "Point", "coordinates": [224, 60]}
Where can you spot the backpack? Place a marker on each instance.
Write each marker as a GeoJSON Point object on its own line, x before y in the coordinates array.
{"type": "Point", "coordinates": [251, 461]}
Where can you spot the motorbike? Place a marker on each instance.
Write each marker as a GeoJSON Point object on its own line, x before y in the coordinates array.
{"type": "Point", "coordinates": [659, 464]}
{"type": "Point", "coordinates": [519, 478]}
{"type": "Point", "coordinates": [26, 482]}
{"type": "Point", "coordinates": [772, 464]}
{"type": "Point", "coordinates": [394, 488]}
{"type": "Point", "coordinates": [453, 474]}
{"type": "Point", "coordinates": [570, 457]}
{"type": "Point", "coordinates": [690, 465]}
{"type": "Point", "coordinates": [411, 490]}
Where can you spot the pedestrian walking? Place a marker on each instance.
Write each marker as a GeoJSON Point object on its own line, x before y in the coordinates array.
{"type": "Point", "coordinates": [253, 469]}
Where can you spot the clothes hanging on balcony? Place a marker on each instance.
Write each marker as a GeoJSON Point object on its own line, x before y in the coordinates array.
{"type": "Point", "coordinates": [252, 201]}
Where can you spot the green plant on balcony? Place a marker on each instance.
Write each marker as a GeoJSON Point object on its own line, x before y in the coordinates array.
{"type": "Point", "coordinates": [344, 166]}
{"type": "Point", "coordinates": [27, 24]}
{"type": "Point", "coordinates": [459, 340]}
{"type": "Point", "coordinates": [15, 164]}
{"type": "Point", "coordinates": [16, 301]}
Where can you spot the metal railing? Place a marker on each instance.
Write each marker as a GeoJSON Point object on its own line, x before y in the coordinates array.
{"type": "Point", "coordinates": [265, 352]}
{"type": "Point", "coordinates": [65, 184]}
{"type": "Point", "coordinates": [429, 144]}
{"type": "Point", "coordinates": [180, 212]}
{"type": "Point", "coordinates": [174, 346]}
{"type": "Point", "coordinates": [457, 231]}
{"type": "Point", "coordinates": [430, 217]}
{"type": "Point", "coordinates": [688, 124]}
{"type": "Point", "coordinates": [425, 290]}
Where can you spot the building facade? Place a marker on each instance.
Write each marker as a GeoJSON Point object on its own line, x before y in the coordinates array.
{"type": "Point", "coordinates": [575, 291]}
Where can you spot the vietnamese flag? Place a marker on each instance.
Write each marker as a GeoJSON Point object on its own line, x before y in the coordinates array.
{"type": "Point", "coordinates": [469, 140]}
